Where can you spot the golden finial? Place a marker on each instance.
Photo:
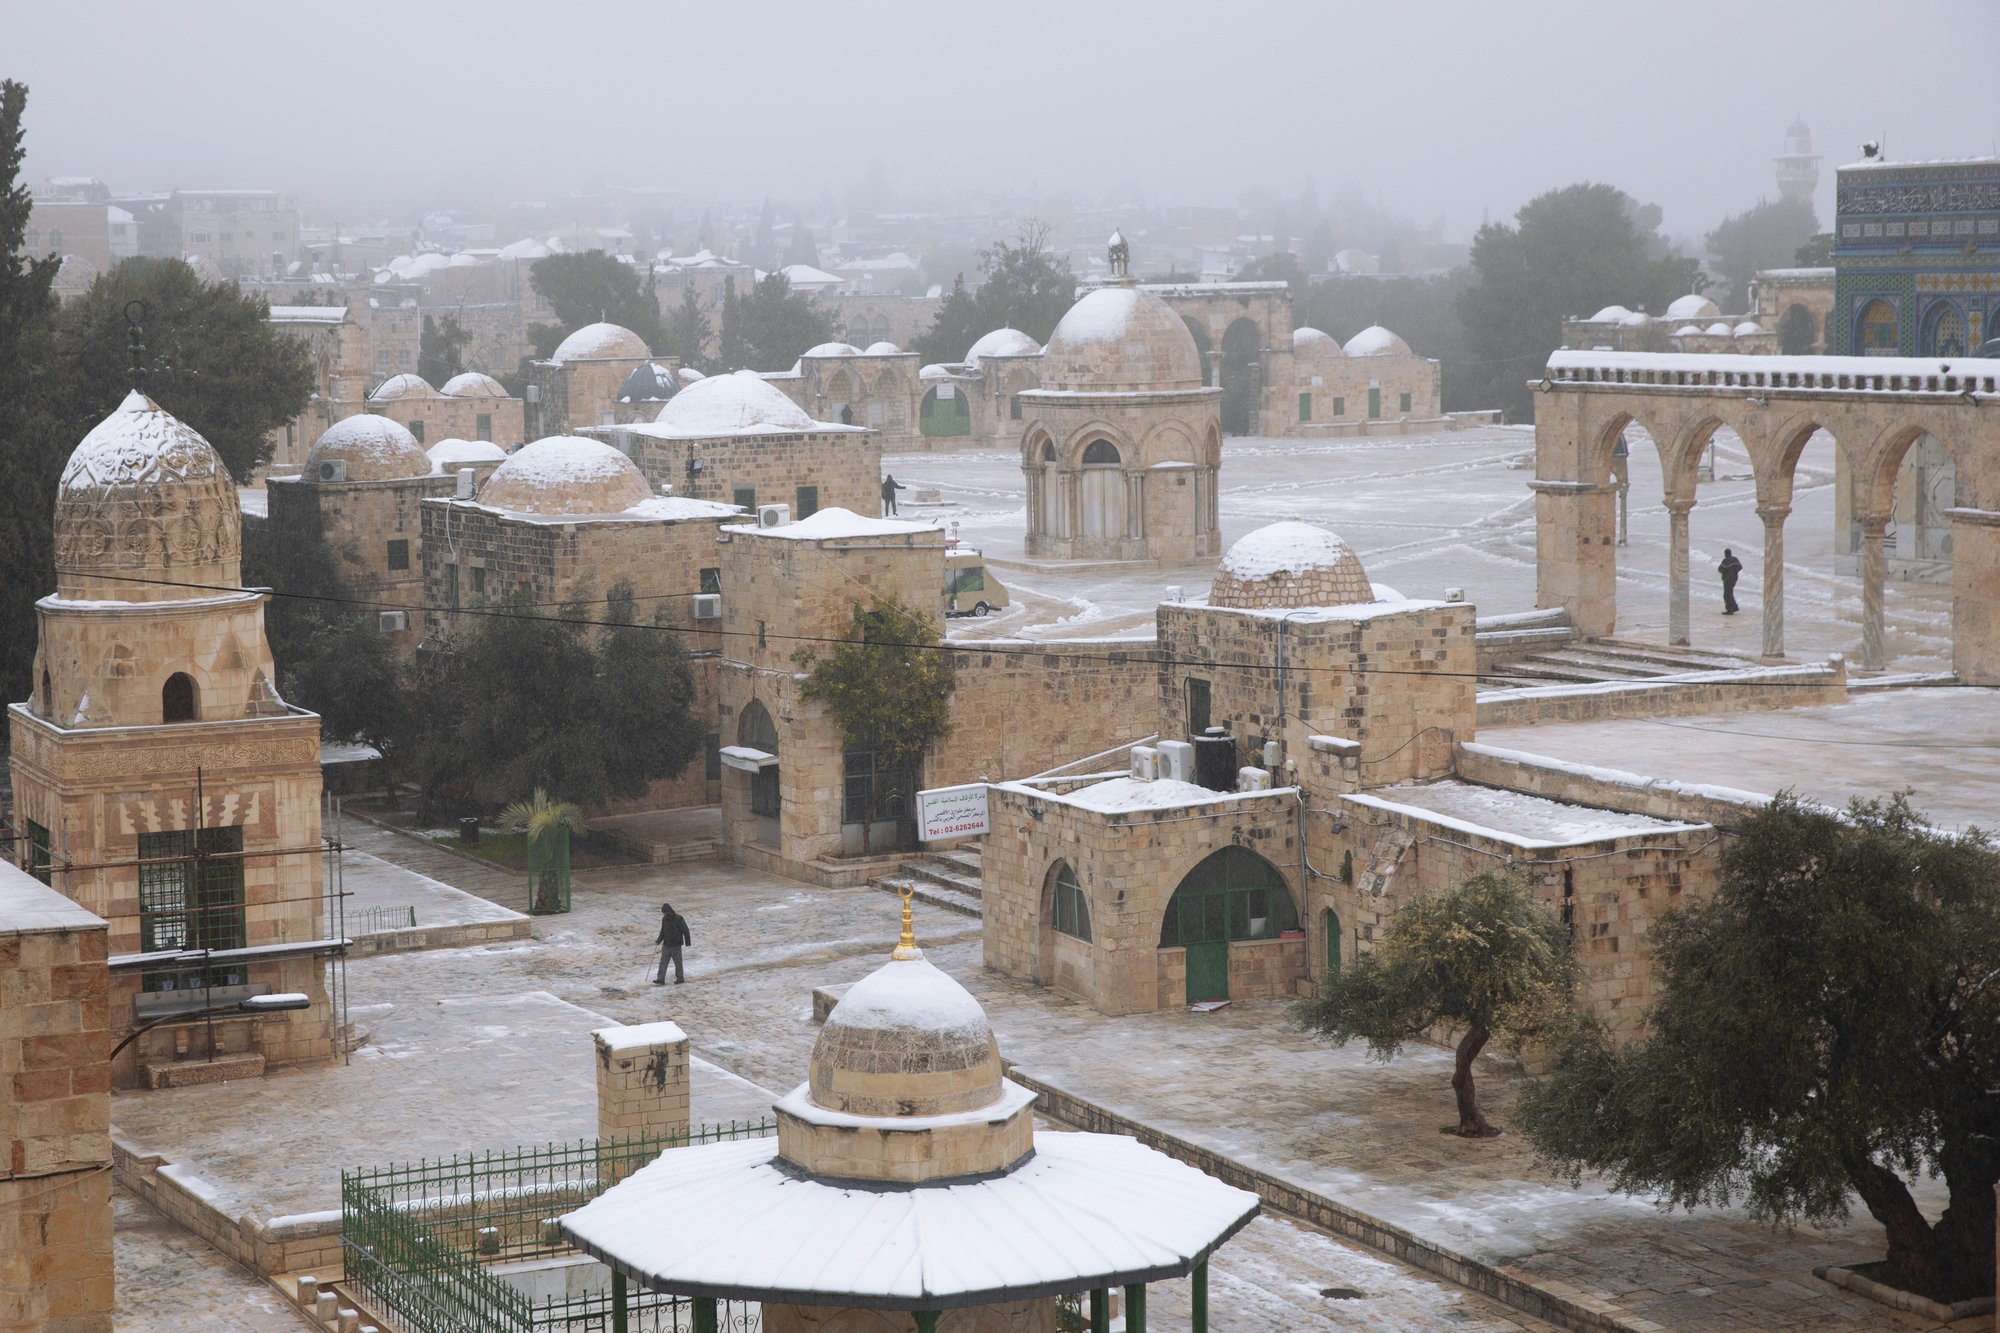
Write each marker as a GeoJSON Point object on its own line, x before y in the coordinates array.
{"type": "Point", "coordinates": [906, 947]}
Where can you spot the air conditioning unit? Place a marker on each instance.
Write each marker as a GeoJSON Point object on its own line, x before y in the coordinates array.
{"type": "Point", "coordinates": [1145, 764]}
{"type": "Point", "coordinates": [773, 516]}
{"type": "Point", "coordinates": [708, 606]}
{"type": "Point", "coordinates": [392, 622]}
{"type": "Point", "coordinates": [1174, 593]}
{"type": "Point", "coordinates": [334, 469]}
{"type": "Point", "coordinates": [466, 488]}
{"type": "Point", "coordinates": [1176, 761]}
{"type": "Point", "coordinates": [1252, 779]}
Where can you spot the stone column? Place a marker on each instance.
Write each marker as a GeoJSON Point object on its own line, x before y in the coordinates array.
{"type": "Point", "coordinates": [1677, 571]}
{"type": "Point", "coordinates": [1774, 578]}
{"type": "Point", "coordinates": [642, 1085]}
{"type": "Point", "coordinates": [1135, 505]}
{"type": "Point", "coordinates": [1874, 570]}
{"type": "Point", "coordinates": [1975, 596]}
{"type": "Point", "coordinates": [1575, 565]}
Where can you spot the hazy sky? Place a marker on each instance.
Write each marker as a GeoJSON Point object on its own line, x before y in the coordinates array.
{"type": "Point", "coordinates": [1439, 109]}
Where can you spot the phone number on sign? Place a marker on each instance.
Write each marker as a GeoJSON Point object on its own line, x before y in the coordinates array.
{"type": "Point", "coordinates": [973, 826]}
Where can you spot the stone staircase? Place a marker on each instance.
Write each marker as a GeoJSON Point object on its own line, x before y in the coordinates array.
{"type": "Point", "coordinates": [1604, 660]}
{"type": "Point", "coordinates": [947, 879]}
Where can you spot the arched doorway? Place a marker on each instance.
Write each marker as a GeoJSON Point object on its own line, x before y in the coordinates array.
{"type": "Point", "coordinates": [1944, 331]}
{"type": "Point", "coordinates": [1242, 377]}
{"type": "Point", "coordinates": [1233, 894]}
{"type": "Point", "coordinates": [1101, 504]}
{"type": "Point", "coordinates": [1875, 331]}
{"type": "Point", "coordinates": [177, 698]}
{"type": "Point", "coordinates": [1199, 332]}
{"type": "Point", "coordinates": [755, 731]}
{"type": "Point", "coordinates": [945, 411]}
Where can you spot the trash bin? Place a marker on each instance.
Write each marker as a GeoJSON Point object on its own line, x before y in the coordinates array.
{"type": "Point", "coordinates": [468, 830]}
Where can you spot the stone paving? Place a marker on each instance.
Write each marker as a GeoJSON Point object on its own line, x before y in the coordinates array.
{"type": "Point", "coordinates": [170, 1281]}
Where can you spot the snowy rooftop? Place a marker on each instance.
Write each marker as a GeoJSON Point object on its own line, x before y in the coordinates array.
{"type": "Point", "coordinates": [601, 342]}
{"type": "Point", "coordinates": [841, 523]}
{"type": "Point", "coordinates": [639, 1036]}
{"type": "Point", "coordinates": [1531, 822]}
{"type": "Point", "coordinates": [1874, 373]}
{"type": "Point", "coordinates": [308, 314]}
{"type": "Point", "coordinates": [805, 275]}
{"type": "Point", "coordinates": [405, 385]}
{"type": "Point", "coordinates": [1377, 341]}
{"type": "Point", "coordinates": [565, 475]}
{"type": "Point", "coordinates": [740, 403]}
{"type": "Point", "coordinates": [1315, 341]}
{"type": "Point", "coordinates": [472, 384]}
{"type": "Point", "coordinates": [1002, 342]}
{"type": "Point", "coordinates": [1286, 547]}
{"type": "Point", "coordinates": [1121, 794]}
{"type": "Point", "coordinates": [1692, 306]}
{"type": "Point", "coordinates": [731, 1220]}
{"type": "Point", "coordinates": [448, 454]}
{"type": "Point", "coordinates": [911, 994]}
{"type": "Point", "coordinates": [833, 349]}
{"type": "Point", "coordinates": [372, 447]}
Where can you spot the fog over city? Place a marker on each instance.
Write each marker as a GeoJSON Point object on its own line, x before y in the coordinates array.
{"type": "Point", "coordinates": [1442, 110]}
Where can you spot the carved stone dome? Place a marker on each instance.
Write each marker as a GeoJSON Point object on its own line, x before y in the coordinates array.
{"type": "Point", "coordinates": [1289, 564]}
{"type": "Point", "coordinates": [145, 497]}
{"type": "Point", "coordinates": [906, 1040]}
{"type": "Point", "coordinates": [366, 448]}
{"type": "Point", "coordinates": [1121, 339]}
{"type": "Point", "coordinates": [565, 474]}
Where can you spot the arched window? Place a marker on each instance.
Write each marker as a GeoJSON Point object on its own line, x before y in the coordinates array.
{"type": "Point", "coordinates": [1877, 333]}
{"type": "Point", "coordinates": [1944, 331]}
{"type": "Point", "coordinates": [756, 731]}
{"type": "Point", "coordinates": [1233, 895]}
{"type": "Point", "coordinates": [56, 239]}
{"type": "Point", "coordinates": [1067, 908]}
{"type": "Point", "coordinates": [1048, 451]}
{"type": "Point", "coordinates": [177, 698]}
{"type": "Point", "coordinates": [1101, 453]}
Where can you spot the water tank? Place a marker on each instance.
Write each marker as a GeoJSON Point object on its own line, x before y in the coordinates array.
{"type": "Point", "coordinates": [1215, 760]}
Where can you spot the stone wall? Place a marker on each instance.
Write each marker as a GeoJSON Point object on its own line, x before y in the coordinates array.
{"type": "Point", "coordinates": [1340, 400]}
{"type": "Point", "coordinates": [450, 418]}
{"type": "Point", "coordinates": [1158, 502]}
{"type": "Point", "coordinates": [1607, 789]}
{"type": "Point", "coordinates": [1022, 709]}
{"type": "Point", "coordinates": [1394, 677]}
{"type": "Point", "coordinates": [1128, 865]}
{"type": "Point", "coordinates": [642, 1081]}
{"type": "Point", "coordinates": [1694, 695]}
{"type": "Point", "coordinates": [55, 1114]}
{"type": "Point", "coordinates": [363, 521]}
{"type": "Point", "coordinates": [844, 466]}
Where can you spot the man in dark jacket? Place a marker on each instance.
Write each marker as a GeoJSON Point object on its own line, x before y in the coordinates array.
{"type": "Point", "coordinates": [889, 488]}
{"type": "Point", "coordinates": [1729, 569]}
{"type": "Point", "coordinates": [673, 934]}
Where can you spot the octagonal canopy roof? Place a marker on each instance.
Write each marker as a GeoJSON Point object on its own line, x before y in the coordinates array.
{"type": "Point", "coordinates": [733, 1221]}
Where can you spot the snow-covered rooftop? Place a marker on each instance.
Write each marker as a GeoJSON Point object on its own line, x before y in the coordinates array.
{"type": "Point", "coordinates": [601, 342]}
{"type": "Point", "coordinates": [1286, 547]}
{"type": "Point", "coordinates": [739, 403]}
{"type": "Point", "coordinates": [1532, 822]}
{"type": "Point", "coordinates": [308, 314]}
{"type": "Point", "coordinates": [405, 385]}
{"type": "Point", "coordinates": [1315, 342]}
{"type": "Point", "coordinates": [1377, 341]}
{"type": "Point", "coordinates": [1692, 306]}
{"type": "Point", "coordinates": [447, 455]}
{"type": "Point", "coordinates": [565, 475]}
{"type": "Point", "coordinates": [371, 447]}
{"type": "Point", "coordinates": [841, 523]}
{"type": "Point", "coordinates": [833, 349]}
{"type": "Point", "coordinates": [805, 275]}
{"type": "Point", "coordinates": [1002, 342]}
{"type": "Point", "coordinates": [472, 384]}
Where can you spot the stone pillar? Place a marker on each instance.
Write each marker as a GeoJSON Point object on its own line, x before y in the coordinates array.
{"type": "Point", "coordinates": [1874, 570]}
{"type": "Point", "coordinates": [642, 1081]}
{"type": "Point", "coordinates": [1975, 596]}
{"type": "Point", "coordinates": [1575, 565]}
{"type": "Point", "coordinates": [1774, 578]}
{"type": "Point", "coordinates": [1677, 571]}
{"type": "Point", "coordinates": [1135, 505]}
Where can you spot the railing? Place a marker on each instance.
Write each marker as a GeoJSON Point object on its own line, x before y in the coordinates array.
{"type": "Point", "coordinates": [1957, 376]}
{"type": "Point", "coordinates": [415, 1235]}
{"type": "Point", "coordinates": [380, 920]}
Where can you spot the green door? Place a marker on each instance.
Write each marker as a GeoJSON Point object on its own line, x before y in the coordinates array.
{"type": "Point", "coordinates": [1208, 971]}
{"type": "Point", "coordinates": [1374, 402]}
{"type": "Point", "coordinates": [1329, 926]}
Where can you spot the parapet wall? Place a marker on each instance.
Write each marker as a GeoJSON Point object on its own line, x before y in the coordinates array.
{"type": "Point", "coordinates": [1607, 788]}
{"type": "Point", "coordinates": [1691, 695]}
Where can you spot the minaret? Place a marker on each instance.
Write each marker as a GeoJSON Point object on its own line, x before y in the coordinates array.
{"type": "Point", "coordinates": [1798, 168]}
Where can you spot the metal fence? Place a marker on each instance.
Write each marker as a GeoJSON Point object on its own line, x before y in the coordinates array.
{"type": "Point", "coordinates": [416, 1236]}
{"type": "Point", "coordinates": [380, 919]}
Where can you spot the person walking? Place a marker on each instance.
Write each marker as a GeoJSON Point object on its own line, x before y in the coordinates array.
{"type": "Point", "coordinates": [673, 934]}
{"type": "Point", "coordinates": [889, 488]}
{"type": "Point", "coordinates": [1729, 569]}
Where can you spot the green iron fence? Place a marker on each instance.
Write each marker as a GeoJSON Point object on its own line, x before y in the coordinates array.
{"type": "Point", "coordinates": [417, 1236]}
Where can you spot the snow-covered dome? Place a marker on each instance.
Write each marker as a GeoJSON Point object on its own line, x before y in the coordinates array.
{"type": "Point", "coordinates": [1002, 342]}
{"type": "Point", "coordinates": [1692, 306]}
{"type": "Point", "coordinates": [602, 342]}
{"type": "Point", "coordinates": [689, 374]}
{"type": "Point", "coordinates": [882, 349]}
{"type": "Point", "coordinates": [373, 448]}
{"type": "Point", "coordinates": [1721, 329]}
{"type": "Point", "coordinates": [1315, 342]}
{"type": "Point", "coordinates": [1377, 341]}
{"type": "Point", "coordinates": [650, 383]}
{"type": "Point", "coordinates": [1636, 319]}
{"type": "Point", "coordinates": [1749, 328]}
{"type": "Point", "coordinates": [1119, 339]}
{"type": "Point", "coordinates": [145, 494]}
{"type": "Point", "coordinates": [739, 403]}
{"type": "Point", "coordinates": [1289, 564]}
{"type": "Point", "coordinates": [472, 384]}
{"type": "Point", "coordinates": [905, 1040]}
{"type": "Point", "coordinates": [1611, 314]}
{"type": "Point", "coordinates": [1688, 330]}
{"type": "Point", "coordinates": [527, 248]}
{"type": "Point", "coordinates": [450, 455]}
{"type": "Point", "coordinates": [405, 385]}
{"type": "Point", "coordinates": [564, 474]}
{"type": "Point", "coordinates": [934, 374]}
{"type": "Point", "coordinates": [834, 349]}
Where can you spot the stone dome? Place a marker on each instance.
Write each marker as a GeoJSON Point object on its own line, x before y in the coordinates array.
{"type": "Point", "coordinates": [564, 474]}
{"type": "Point", "coordinates": [1120, 339]}
{"type": "Point", "coordinates": [374, 448]}
{"type": "Point", "coordinates": [740, 403]}
{"type": "Point", "coordinates": [834, 349]}
{"type": "Point", "coordinates": [1749, 328]}
{"type": "Point", "coordinates": [602, 342]}
{"type": "Point", "coordinates": [402, 386]}
{"type": "Point", "coordinates": [906, 1040]}
{"type": "Point", "coordinates": [882, 349]}
{"type": "Point", "coordinates": [1692, 306]}
{"type": "Point", "coordinates": [1002, 342]}
{"type": "Point", "coordinates": [1611, 314]}
{"type": "Point", "coordinates": [450, 455]}
{"type": "Point", "coordinates": [1314, 349]}
{"type": "Point", "coordinates": [145, 495]}
{"type": "Point", "coordinates": [472, 384]}
{"type": "Point", "coordinates": [1721, 329]}
{"type": "Point", "coordinates": [1377, 341]}
{"type": "Point", "coordinates": [1289, 564]}
{"type": "Point", "coordinates": [650, 383]}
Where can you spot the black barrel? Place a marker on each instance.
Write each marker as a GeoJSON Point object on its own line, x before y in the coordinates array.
{"type": "Point", "coordinates": [1215, 760]}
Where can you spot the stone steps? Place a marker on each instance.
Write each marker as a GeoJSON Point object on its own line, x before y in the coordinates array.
{"type": "Point", "coordinates": [936, 894]}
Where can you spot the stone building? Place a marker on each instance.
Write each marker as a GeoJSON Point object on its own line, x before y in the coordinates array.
{"type": "Point", "coordinates": [868, 318]}
{"type": "Point", "coordinates": [1916, 257]}
{"type": "Point", "coordinates": [1691, 323]}
{"type": "Point", "coordinates": [876, 388]}
{"type": "Point", "coordinates": [1121, 445]}
{"type": "Point", "coordinates": [1303, 787]}
{"type": "Point", "coordinates": [159, 779]}
{"type": "Point", "coordinates": [336, 344]}
{"type": "Point", "coordinates": [578, 385]}
{"type": "Point", "coordinates": [977, 401]}
{"type": "Point", "coordinates": [566, 518]}
{"type": "Point", "coordinates": [470, 406]}
{"type": "Point", "coordinates": [1374, 385]}
{"type": "Point", "coordinates": [735, 438]}
{"type": "Point", "coordinates": [243, 233]}
{"type": "Point", "coordinates": [1796, 305]}
{"type": "Point", "coordinates": [898, 1160]}
{"type": "Point", "coordinates": [793, 796]}
{"type": "Point", "coordinates": [359, 490]}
